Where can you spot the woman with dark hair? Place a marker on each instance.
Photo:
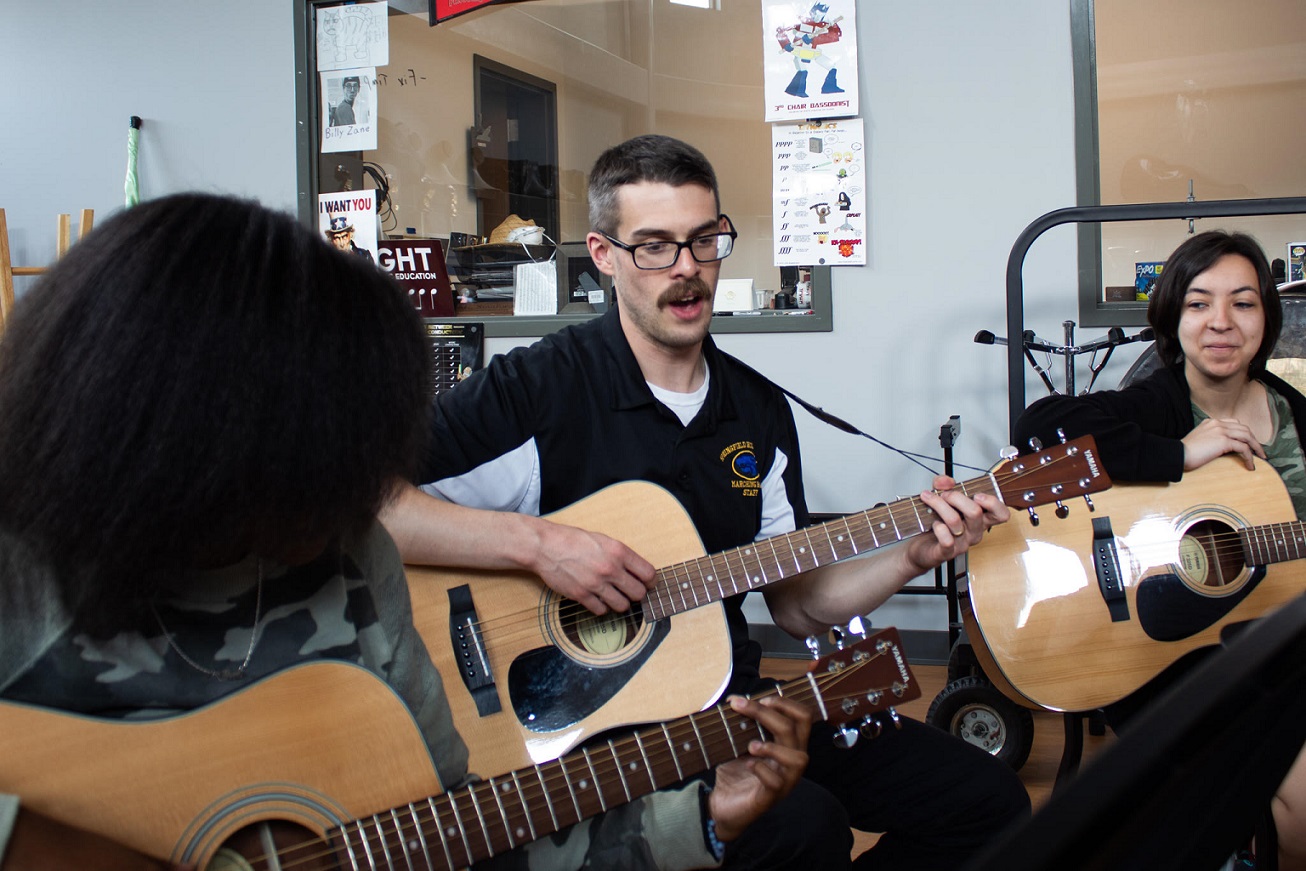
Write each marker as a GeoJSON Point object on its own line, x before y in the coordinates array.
{"type": "Point", "coordinates": [203, 407]}
{"type": "Point", "coordinates": [1216, 314]}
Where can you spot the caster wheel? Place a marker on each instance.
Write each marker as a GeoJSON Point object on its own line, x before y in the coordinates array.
{"type": "Point", "coordinates": [973, 710]}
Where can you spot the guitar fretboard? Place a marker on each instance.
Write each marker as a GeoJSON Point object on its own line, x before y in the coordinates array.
{"type": "Point", "coordinates": [1274, 542]}
{"type": "Point", "coordinates": [490, 817]}
{"type": "Point", "coordinates": [707, 579]}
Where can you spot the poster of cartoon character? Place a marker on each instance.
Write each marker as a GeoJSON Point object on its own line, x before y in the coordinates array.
{"type": "Point", "coordinates": [810, 60]}
{"type": "Point", "coordinates": [820, 193]}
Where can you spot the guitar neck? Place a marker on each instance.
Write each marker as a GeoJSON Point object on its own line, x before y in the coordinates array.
{"type": "Point", "coordinates": [1273, 542]}
{"type": "Point", "coordinates": [491, 817]}
{"type": "Point", "coordinates": [708, 579]}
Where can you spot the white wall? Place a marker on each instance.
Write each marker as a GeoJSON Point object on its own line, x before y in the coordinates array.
{"type": "Point", "coordinates": [969, 123]}
{"type": "Point", "coordinates": [214, 84]}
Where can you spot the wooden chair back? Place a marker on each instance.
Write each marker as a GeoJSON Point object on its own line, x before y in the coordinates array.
{"type": "Point", "coordinates": [8, 270]}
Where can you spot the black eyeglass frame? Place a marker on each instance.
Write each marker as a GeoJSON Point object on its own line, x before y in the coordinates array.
{"type": "Point", "coordinates": [680, 246]}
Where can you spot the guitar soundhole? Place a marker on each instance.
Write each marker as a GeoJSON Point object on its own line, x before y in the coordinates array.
{"type": "Point", "coordinates": [599, 635]}
{"type": "Point", "coordinates": [1210, 557]}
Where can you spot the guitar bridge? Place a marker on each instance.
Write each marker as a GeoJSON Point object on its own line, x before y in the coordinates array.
{"type": "Point", "coordinates": [1106, 563]}
{"type": "Point", "coordinates": [469, 650]}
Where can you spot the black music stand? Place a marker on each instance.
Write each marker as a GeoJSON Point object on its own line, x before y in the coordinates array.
{"type": "Point", "coordinates": [1192, 776]}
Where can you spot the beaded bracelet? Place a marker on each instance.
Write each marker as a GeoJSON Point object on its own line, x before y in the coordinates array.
{"type": "Point", "coordinates": [714, 844]}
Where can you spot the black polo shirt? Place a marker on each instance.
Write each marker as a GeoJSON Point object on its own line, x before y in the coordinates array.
{"type": "Point", "coordinates": [581, 395]}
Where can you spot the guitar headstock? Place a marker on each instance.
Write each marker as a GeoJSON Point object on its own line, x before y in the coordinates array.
{"type": "Point", "coordinates": [1052, 475]}
{"type": "Point", "coordinates": [861, 679]}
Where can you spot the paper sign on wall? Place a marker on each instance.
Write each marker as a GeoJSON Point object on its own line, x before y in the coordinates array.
{"type": "Point", "coordinates": [349, 110]}
{"type": "Point", "coordinates": [819, 191]}
{"type": "Point", "coordinates": [348, 220]}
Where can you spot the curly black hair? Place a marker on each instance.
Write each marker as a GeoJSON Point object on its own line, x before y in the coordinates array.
{"type": "Point", "coordinates": [201, 376]}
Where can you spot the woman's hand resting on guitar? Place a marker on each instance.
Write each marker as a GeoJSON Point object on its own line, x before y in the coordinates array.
{"type": "Point", "coordinates": [1216, 437]}
{"type": "Point", "coordinates": [748, 787]}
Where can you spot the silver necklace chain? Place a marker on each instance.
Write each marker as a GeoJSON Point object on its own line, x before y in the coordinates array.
{"type": "Point", "coordinates": [222, 673]}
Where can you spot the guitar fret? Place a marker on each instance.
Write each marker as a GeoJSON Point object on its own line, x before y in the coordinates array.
{"type": "Point", "coordinates": [684, 603]}
{"type": "Point", "coordinates": [548, 799]}
{"type": "Point", "coordinates": [526, 811]}
{"type": "Point", "coordinates": [421, 835]}
{"type": "Point", "coordinates": [367, 847]}
{"type": "Point", "coordinates": [594, 776]}
{"type": "Point", "coordinates": [825, 529]}
{"type": "Point", "coordinates": [734, 582]}
{"type": "Point", "coordinates": [870, 527]}
{"type": "Point", "coordinates": [648, 768]}
{"type": "Point", "coordinates": [897, 533]}
{"type": "Point", "coordinates": [702, 745]}
{"type": "Point", "coordinates": [675, 757]}
{"type": "Point", "coordinates": [458, 819]}
{"type": "Point", "coordinates": [480, 817]}
{"type": "Point", "coordinates": [616, 760]}
{"type": "Point", "coordinates": [349, 848]}
{"type": "Point", "coordinates": [400, 841]}
{"type": "Point", "coordinates": [916, 510]}
{"type": "Point", "coordinates": [444, 836]}
{"type": "Point", "coordinates": [571, 789]}
{"type": "Point", "coordinates": [503, 813]}
{"type": "Point", "coordinates": [754, 571]}
{"type": "Point", "coordinates": [714, 577]}
{"type": "Point", "coordinates": [729, 733]}
{"type": "Point", "coordinates": [775, 557]}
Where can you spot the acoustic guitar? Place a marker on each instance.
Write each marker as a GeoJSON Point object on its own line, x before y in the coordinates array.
{"type": "Point", "coordinates": [1077, 613]}
{"type": "Point", "coordinates": [322, 766]}
{"type": "Point", "coordinates": [530, 674]}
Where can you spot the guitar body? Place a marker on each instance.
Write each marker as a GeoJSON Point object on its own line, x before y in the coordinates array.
{"type": "Point", "coordinates": [530, 675]}
{"type": "Point", "coordinates": [317, 745]}
{"type": "Point", "coordinates": [1077, 613]}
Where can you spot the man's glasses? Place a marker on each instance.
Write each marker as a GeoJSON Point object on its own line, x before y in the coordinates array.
{"type": "Point", "coordinates": [660, 255]}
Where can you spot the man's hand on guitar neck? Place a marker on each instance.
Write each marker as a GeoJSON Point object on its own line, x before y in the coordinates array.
{"type": "Point", "coordinates": [962, 522]}
{"type": "Point", "coordinates": [39, 843]}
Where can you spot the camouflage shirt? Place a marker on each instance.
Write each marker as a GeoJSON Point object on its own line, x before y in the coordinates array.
{"type": "Point", "coordinates": [350, 604]}
{"type": "Point", "coordinates": [1283, 450]}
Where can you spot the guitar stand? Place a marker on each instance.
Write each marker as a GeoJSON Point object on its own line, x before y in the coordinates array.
{"type": "Point", "coordinates": [946, 575]}
{"type": "Point", "coordinates": [1073, 750]}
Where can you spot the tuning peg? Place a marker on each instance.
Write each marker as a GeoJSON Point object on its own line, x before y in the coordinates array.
{"type": "Point", "coordinates": [859, 626]}
{"type": "Point", "coordinates": [1089, 499]}
{"type": "Point", "coordinates": [844, 737]}
{"type": "Point", "coordinates": [813, 646]}
{"type": "Point", "coordinates": [871, 727]}
{"type": "Point", "coordinates": [1035, 443]}
{"type": "Point", "coordinates": [1062, 511]}
{"type": "Point", "coordinates": [837, 635]}
{"type": "Point", "coordinates": [1061, 434]}
{"type": "Point", "coordinates": [1009, 452]}
{"type": "Point", "coordinates": [893, 715]}
{"type": "Point", "coordinates": [1033, 516]}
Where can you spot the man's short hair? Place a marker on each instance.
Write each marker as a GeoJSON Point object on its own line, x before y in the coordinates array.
{"type": "Point", "coordinates": [650, 158]}
{"type": "Point", "coordinates": [348, 79]}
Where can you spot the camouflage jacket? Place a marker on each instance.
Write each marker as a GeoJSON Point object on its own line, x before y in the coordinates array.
{"type": "Point", "coordinates": [350, 604]}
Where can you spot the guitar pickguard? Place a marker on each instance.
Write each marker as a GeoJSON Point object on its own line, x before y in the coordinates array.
{"type": "Point", "coordinates": [550, 690]}
{"type": "Point", "coordinates": [1170, 610]}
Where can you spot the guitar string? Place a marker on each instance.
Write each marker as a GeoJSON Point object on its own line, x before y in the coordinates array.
{"type": "Point", "coordinates": [680, 730]}
{"type": "Point", "coordinates": [524, 623]}
{"type": "Point", "coordinates": [1224, 544]}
